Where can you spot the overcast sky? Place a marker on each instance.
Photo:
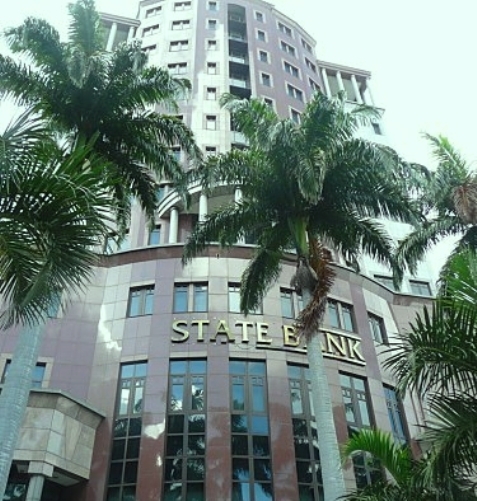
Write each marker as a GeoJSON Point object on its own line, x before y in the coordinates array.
{"type": "Point", "coordinates": [421, 54]}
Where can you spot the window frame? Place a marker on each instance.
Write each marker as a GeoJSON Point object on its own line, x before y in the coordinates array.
{"type": "Point", "coordinates": [416, 287]}
{"type": "Point", "coordinates": [180, 24]}
{"type": "Point", "coordinates": [340, 306]}
{"type": "Point", "coordinates": [377, 328]}
{"type": "Point", "coordinates": [145, 292]}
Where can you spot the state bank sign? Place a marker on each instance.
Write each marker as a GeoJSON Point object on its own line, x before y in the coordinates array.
{"type": "Point", "coordinates": [336, 345]}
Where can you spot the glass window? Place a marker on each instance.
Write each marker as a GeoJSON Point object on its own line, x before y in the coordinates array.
{"type": "Point", "coordinates": [211, 122]}
{"type": "Point", "coordinates": [37, 376]}
{"type": "Point", "coordinates": [154, 236]}
{"type": "Point", "coordinates": [211, 44]}
{"type": "Point", "coordinates": [212, 6]}
{"type": "Point", "coordinates": [182, 5]}
{"type": "Point", "coordinates": [294, 92]}
{"type": "Point", "coordinates": [266, 79]}
{"type": "Point", "coordinates": [212, 93]}
{"type": "Point", "coordinates": [212, 24]}
{"type": "Point", "coordinates": [185, 473]}
{"type": "Point", "coordinates": [310, 65]}
{"type": "Point", "coordinates": [285, 29]}
{"type": "Point", "coordinates": [259, 17]}
{"type": "Point", "coordinates": [291, 70]}
{"type": "Point", "coordinates": [212, 68]}
{"type": "Point", "coordinates": [340, 316]}
{"type": "Point", "coordinates": [251, 462]}
{"type": "Point", "coordinates": [141, 301]}
{"type": "Point", "coordinates": [420, 288]}
{"type": "Point", "coordinates": [376, 326]}
{"type": "Point", "coordinates": [295, 116]}
{"type": "Point", "coordinates": [178, 45]}
{"type": "Point", "coordinates": [200, 297]}
{"type": "Point", "coordinates": [234, 298]}
{"type": "Point", "coordinates": [181, 294]}
{"type": "Point", "coordinates": [180, 25]}
{"type": "Point", "coordinates": [263, 56]}
{"type": "Point", "coordinates": [153, 12]}
{"type": "Point", "coordinates": [396, 415]}
{"type": "Point", "coordinates": [359, 416]}
{"type": "Point", "coordinates": [287, 48]}
{"type": "Point", "coordinates": [261, 36]}
{"type": "Point", "coordinates": [387, 281]}
{"type": "Point", "coordinates": [151, 30]}
{"type": "Point", "coordinates": [305, 436]}
{"type": "Point", "coordinates": [286, 299]}
{"type": "Point", "coordinates": [127, 432]}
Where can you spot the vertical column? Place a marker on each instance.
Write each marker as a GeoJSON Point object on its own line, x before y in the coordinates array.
{"type": "Point", "coordinates": [238, 199]}
{"type": "Point", "coordinates": [340, 81]}
{"type": "Point", "coordinates": [35, 488]}
{"type": "Point", "coordinates": [202, 207]}
{"type": "Point", "coordinates": [368, 96]}
{"type": "Point", "coordinates": [324, 75]}
{"type": "Point", "coordinates": [357, 93]}
{"type": "Point", "coordinates": [131, 33]}
{"type": "Point", "coordinates": [173, 225]}
{"type": "Point", "coordinates": [111, 37]}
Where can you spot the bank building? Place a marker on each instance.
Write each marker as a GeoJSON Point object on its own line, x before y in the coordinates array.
{"type": "Point", "coordinates": [152, 385]}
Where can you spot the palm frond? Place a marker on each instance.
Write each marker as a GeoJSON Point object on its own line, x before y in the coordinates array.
{"type": "Point", "coordinates": [439, 353]}
{"type": "Point", "coordinates": [381, 445]}
{"type": "Point", "coordinates": [85, 29]}
{"type": "Point", "coordinates": [413, 247]}
{"type": "Point", "coordinates": [252, 117]}
{"type": "Point", "coordinates": [226, 225]}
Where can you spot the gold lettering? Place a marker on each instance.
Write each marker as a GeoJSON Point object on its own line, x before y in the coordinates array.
{"type": "Point", "coordinates": [262, 332]}
{"type": "Point", "coordinates": [223, 328]}
{"type": "Point", "coordinates": [353, 345]}
{"type": "Point", "coordinates": [184, 333]}
{"type": "Point", "coordinates": [289, 336]}
{"type": "Point", "coordinates": [200, 328]}
{"type": "Point", "coordinates": [245, 326]}
{"type": "Point", "coordinates": [338, 343]}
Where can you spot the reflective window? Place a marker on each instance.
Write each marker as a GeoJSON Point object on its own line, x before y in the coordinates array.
{"type": "Point", "coordinates": [307, 457]}
{"type": "Point", "coordinates": [185, 470]}
{"type": "Point", "coordinates": [396, 414]}
{"type": "Point", "coordinates": [127, 432]}
{"type": "Point", "coordinates": [340, 316]}
{"type": "Point", "coordinates": [251, 455]}
{"type": "Point", "coordinates": [154, 236]}
{"type": "Point", "coordinates": [234, 300]}
{"type": "Point", "coordinates": [36, 378]}
{"type": "Point", "coordinates": [376, 326]}
{"type": "Point", "coordinates": [420, 288]}
{"type": "Point", "coordinates": [359, 416]}
{"type": "Point", "coordinates": [190, 297]}
{"type": "Point", "coordinates": [141, 301]}
{"type": "Point", "coordinates": [286, 299]}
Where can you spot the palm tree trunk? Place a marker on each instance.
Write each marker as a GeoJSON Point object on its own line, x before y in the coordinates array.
{"type": "Point", "coordinates": [330, 459]}
{"type": "Point", "coordinates": [14, 396]}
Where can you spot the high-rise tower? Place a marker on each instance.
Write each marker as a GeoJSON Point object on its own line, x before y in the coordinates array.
{"type": "Point", "coordinates": [152, 385]}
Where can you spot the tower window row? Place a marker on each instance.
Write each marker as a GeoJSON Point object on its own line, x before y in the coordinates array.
{"type": "Point", "coordinates": [186, 433]}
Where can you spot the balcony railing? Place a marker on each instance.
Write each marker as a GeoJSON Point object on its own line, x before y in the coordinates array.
{"type": "Point", "coordinates": [237, 36]}
{"type": "Point", "coordinates": [238, 58]}
{"type": "Point", "coordinates": [236, 82]}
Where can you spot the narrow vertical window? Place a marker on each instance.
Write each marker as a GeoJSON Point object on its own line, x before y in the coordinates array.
{"type": "Point", "coordinates": [127, 427]}
{"type": "Point", "coordinates": [358, 416]}
{"type": "Point", "coordinates": [305, 436]}
{"type": "Point", "coordinates": [185, 468]}
{"type": "Point", "coordinates": [251, 457]}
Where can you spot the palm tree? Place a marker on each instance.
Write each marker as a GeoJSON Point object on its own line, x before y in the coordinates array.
{"type": "Point", "coordinates": [449, 200]}
{"type": "Point", "coordinates": [86, 91]}
{"type": "Point", "coordinates": [53, 215]}
{"type": "Point", "coordinates": [307, 188]}
{"type": "Point", "coordinates": [438, 360]}
{"type": "Point", "coordinates": [409, 479]}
